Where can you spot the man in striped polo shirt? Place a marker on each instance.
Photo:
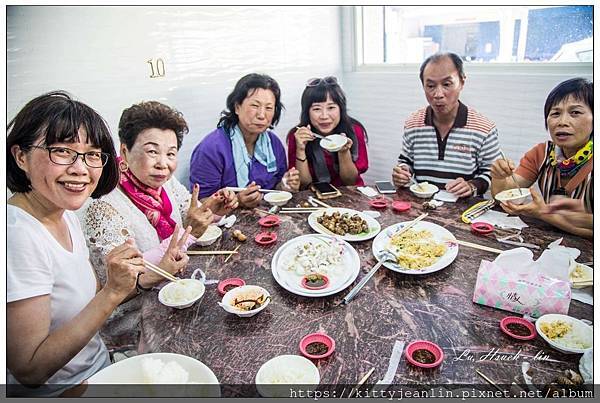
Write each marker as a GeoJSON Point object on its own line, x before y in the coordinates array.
{"type": "Point", "coordinates": [447, 143]}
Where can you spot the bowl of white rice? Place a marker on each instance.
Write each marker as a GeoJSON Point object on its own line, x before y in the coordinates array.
{"type": "Point", "coordinates": [143, 371]}
{"type": "Point", "coordinates": [182, 294]}
{"type": "Point", "coordinates": [210, 236]}
{"type": "Point", "coordinates": [275, 376]}
{"type": "Point", "coordinates": [565, 334]}
{"type": "Point", "coordinates": [515, 196]}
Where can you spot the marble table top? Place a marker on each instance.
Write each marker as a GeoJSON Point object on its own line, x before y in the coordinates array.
{"type": "Point", "coordinates": [392, 306]}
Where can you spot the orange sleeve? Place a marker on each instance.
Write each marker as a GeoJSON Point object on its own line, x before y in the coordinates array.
{"type": "Point", "coordinates": [531, 162]}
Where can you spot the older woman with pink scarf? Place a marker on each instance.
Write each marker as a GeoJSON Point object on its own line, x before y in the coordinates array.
{"type": "Point", "coordinates": [148, 204]}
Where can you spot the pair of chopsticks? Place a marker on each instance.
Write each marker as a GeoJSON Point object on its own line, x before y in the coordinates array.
{"type": "Point", "coordinates": [235, 251]}
{"type": "Point", "coordinates": [582, 282]}
{"type": "Point", "coordinates": [411, 224]}
{"type": "Point", "coordinates": [488, 380]}
{"type": "Point", "coordinates": [319, 202]}
{"type": "Point", "coordinates": [236, 189]}
{"type": "Point", "coordinates": [300, 209]}
{"type": "Point", "coordinates": [512, 174]}
{"type": "Point", "coordinates": [360, 383]}
{"type": "Point", "coordinates": [154, 268]}
{"type": "Point", "coordinates": [211, 252]}
{"type": "Point", "coordinates": [475, 246]}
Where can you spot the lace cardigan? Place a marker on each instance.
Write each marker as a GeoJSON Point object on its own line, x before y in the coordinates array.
{"type": "Point", "coordinates": [110, 221]}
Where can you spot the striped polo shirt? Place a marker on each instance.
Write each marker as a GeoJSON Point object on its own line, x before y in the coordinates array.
{"type": "Point", "coordinates": [535, 166]}
{"type": "Point", "coordinates": [466, 152]}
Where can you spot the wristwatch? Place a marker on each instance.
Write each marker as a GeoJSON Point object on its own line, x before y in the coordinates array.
{"type": "Point", "coordinates": [138, 286]}
{"type": "Point", "coordinates": [473, 189]}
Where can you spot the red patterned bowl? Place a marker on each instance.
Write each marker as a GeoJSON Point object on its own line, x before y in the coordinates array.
{"type": "Point", "coordinates": [269, 221]}
{"type": "Point", "coordinates": [424, 345]}
{"type": "Point", "coordinates": [482, 228]}
{"type": "Point", "coordinates": [324, 285]}
{"type": "Point", "coordinates": [515, 319]}
{"type": "Point", "coordinates": [319, 338]}
{"type": "Point", "coordinates": [401, 206]}
{"type": "Point", "coordinates": [236, 282]}
{"type": "Point", "coordinates": [265, 238]}
{"type": "Point", "coordinates": [379, 203]}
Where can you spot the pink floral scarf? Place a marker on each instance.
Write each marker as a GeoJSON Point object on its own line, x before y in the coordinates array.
{"type": "Point", "coordinates": [154, 203]}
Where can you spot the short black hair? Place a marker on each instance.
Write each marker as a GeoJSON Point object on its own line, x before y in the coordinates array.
{"type": "Point", "coordinates": [319, 93]}
{"type": "Point", "coordinates": [580, 88]}
{"type": "Point", "coordinates": [244, 87]}
{"type": "Point", "coordinates": [456, 60]}
{"type": "Point", "coordinates": [56, 117]}
{"type": "Point", "coordinates": [149, 115]}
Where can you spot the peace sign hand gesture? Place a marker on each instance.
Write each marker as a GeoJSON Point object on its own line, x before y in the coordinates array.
{"type": "Point", "coordinates": [199, 216]}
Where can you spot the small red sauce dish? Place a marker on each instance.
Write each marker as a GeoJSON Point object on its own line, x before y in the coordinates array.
{"type": "Point", "coordinates": [424, 349]}
{"type": "Point", "coordinates": [482, 228]}
{"type": "Point", "coordinates": [516, 327]}
{"type": "Point", "coordinates": [269, 221]}
{"type": "Point", "coordinates": [265, 238]}
{"type": "Point", "coordinates": [228, 284]}
{"type": "Point", "coordinates": [401, 206]}
{"type": "Point", "coordinates": [315, 281]}
{"type": "Point", "coordinates": [379, 203]}
{"type": "Point", "coordinates": [317, 346]}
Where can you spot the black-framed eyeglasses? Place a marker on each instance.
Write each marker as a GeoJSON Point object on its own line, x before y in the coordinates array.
{"type": "Point", "coordinates": [66, 156]}
{"type": "Point", "coordinates": [329, 80]}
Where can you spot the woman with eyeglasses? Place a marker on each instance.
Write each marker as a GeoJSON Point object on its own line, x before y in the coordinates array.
{"type": "Point", "coordinates": [324, 113]}
{"type": "Point", "coordinates": [243, 151]}
{"type": "Point", "coordinates": [148, 205]}
{"type": "Point", "coordinates": [60, 153]}
{"type": "Point", "coordinates": [562, 167]}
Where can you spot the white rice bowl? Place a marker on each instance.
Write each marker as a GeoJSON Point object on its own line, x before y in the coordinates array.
{"type": "Point", "coordinates": [333, 143]}
{"type": "Point", "coordinates": [577, 341]}
{"type": "Point", "coordinates": [423, 190]}
{"type": "Point", "coordinates": [181, 294]}
{"type": "Point", "coordinates": [274, 376]}
{"type": "Point", "coordinates": [212, 233]}
{"type": "Point", "coordinates": [514, 195]}
{"type": "Point", "coordinates": [278, 198]}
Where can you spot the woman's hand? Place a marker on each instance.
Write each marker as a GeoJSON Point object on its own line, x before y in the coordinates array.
{"type": "Point", "coordinates": [174, 260]}
{"type": "Point", "coordinates": [401, 175]}
{"type": "Point", "coordinates": [222, 202]}
{"type": "Point", "coordinates": [502, 169]}
{"type": "Point", "coordinates": [533, 209]}
{"type": "Point", "coordinates": [303, 135]}
{"type": "Point", "coordinates": [459, 187]}
{"type": "Point", "coordinates": [199, 217]}
{"type": "Point", "coordinates": [346, 147]}
{"type": "Point", "coordinates": [250, 197]}
{"type": "Point", "coordinates": [123, 265]}
{"type": "Point", "coordinates": [291, 180]}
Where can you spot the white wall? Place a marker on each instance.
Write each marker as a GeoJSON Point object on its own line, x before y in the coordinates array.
{"type": "Point", "coordinates": [100, 54]}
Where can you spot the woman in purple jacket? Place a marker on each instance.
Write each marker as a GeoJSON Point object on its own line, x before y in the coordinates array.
{"type": "Point", "coordinates": [242, 151]}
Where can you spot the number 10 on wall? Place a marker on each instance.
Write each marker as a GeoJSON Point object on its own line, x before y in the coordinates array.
{"type": "Point", "coordinates": [157, 68]}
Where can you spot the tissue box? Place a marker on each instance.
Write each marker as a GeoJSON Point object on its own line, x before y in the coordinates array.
{"type": "Point", "coordinates": [531, 293]}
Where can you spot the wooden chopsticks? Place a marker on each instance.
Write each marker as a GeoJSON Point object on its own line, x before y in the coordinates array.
{"type": "Point", "coordinates": [160, 272]}
{"type": "Point", "coordinates": [411, 224]}
{"type": "Point", "coordinates": [360, 383]}
{"type": "Point", "coordinates": [475, 246]}
{"type": "Point", "coordinates": [320, 203]}
{"type": "Point", "coordinates": [211, 252]}
{"type": "Point", "coordinates": [235, 251]}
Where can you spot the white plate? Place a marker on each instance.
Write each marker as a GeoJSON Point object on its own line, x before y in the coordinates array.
{"type": "Point", "coordinates": [579, 328]}
{"type": "Point", "coordinates": [374, 226]}
{"type": "Point", "coordinates": [292, 281]}
{"type": "Point", "coordinates": [282, 368]}
{"type": "Point", "coordinates": [439, 233]}
{"type": "Point", "coordinates": [129, 371]}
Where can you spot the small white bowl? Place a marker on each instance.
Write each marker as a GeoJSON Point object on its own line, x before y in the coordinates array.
{"type": "Point", "coordinates": [579, 328]}
{"type": "Point", "coordinates": [424, 190]}
{"type": "Point", "coordinates": [165, 294]}
{"type": "Point", "coordinates": [587, 273]}
{"type": "Point", "coordinates": [226, 302]}
{"type": "Point", "coordinates": [278, 198]}
{"type": "Point", "coordinates": [210, 236]}
{"type": "Point", "coordinates": [275, 376]}
{"type": "Point", "coordinates": [333, 143]}
{"type": "Point", "coordinates": [514, 196]}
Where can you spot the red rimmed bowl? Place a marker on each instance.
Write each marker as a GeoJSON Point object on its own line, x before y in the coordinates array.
{"type": "Point", "coordinates": [305, 281]}
{"type": "Point", "coordinates": [379, 203]}
{"type": "Point", "coordinates": [236, 282]}
{"type": "Point", "coordinates": [424, 345]}
{"type": "Point", "coordinates": [482, 228]}
{"type": "Point", "coordinates": [269, 221]}
{"type": "Point", "coordinates": [317, 338]}
{"type": "Point", "coordinates": [265, 238]}
{"type": "Point", "coordinates": [401, 206]}
{"type": "Point", "coordinates": [515, 319]}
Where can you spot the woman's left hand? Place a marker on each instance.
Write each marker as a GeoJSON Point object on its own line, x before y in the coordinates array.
{"type": "Point", "coordinates": [222, 202]}
{"type": "Point", "coordinates": [291, 180]}
{"type": "Point", "coordinates": [346, 148]}
{"type": "Point", "coordinates": [174, 260]}
{"type": "Point", "coordinates": [533, 209]}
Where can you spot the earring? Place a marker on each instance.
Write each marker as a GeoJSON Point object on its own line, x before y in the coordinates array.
{"type": "Point", "coordinates": [123, 166]}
